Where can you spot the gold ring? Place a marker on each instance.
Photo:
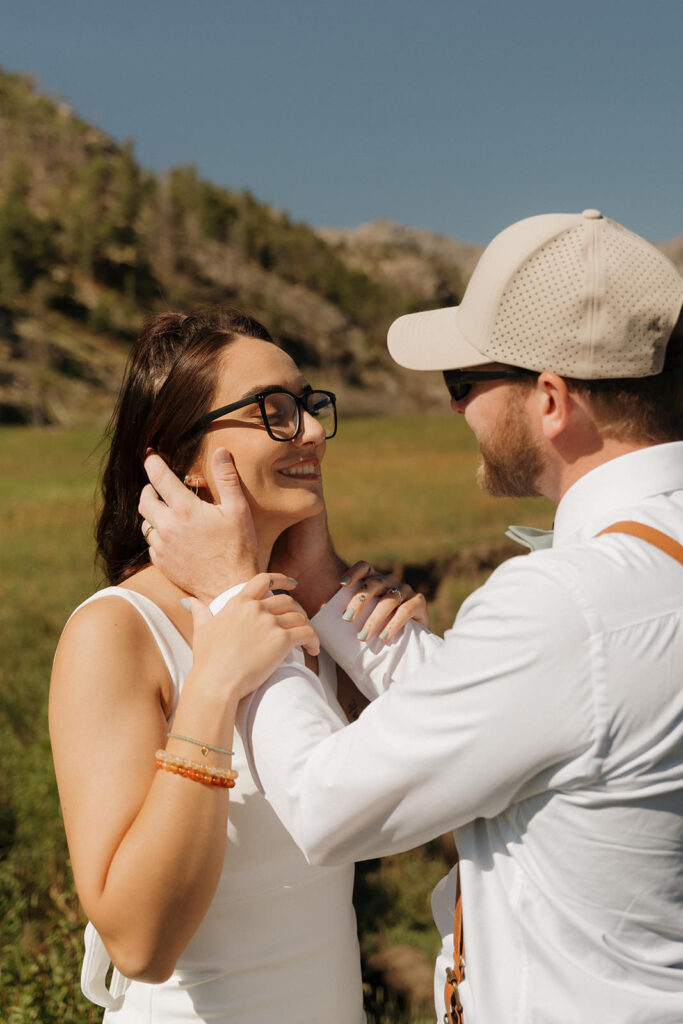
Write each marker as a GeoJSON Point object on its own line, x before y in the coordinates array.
{"type": "Point", "coordinates": [147, 533]}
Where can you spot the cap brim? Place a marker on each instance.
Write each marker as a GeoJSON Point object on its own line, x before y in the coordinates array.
{"type": "Point", "coordinates": [432, 341]}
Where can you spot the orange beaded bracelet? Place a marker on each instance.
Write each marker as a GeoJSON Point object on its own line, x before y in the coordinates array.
{"type": "Point", "coordinates": [224, 778]}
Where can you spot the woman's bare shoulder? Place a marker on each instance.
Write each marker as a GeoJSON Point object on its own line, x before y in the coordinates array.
{"type": "Point", "coordinates": [110, 616]}
{"type": "Point", "coordinates": [108, 640]}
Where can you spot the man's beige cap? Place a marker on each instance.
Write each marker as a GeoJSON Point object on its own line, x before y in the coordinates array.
{"type": "Point", "coordinates": [577, 294]}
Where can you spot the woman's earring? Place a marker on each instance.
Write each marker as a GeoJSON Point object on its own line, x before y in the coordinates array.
{"type": "Point", "coordinates": [193, 484]}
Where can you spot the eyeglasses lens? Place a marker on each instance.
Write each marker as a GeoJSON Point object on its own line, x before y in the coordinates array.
{"type": "Point", "coordinates": [460, 391]}
{"type": "Point", "coordinates": [321, 406]}
{"type": "Point", "coordinates": [282, 413]}
{"type": "Point", "coordinates": [458, 387]}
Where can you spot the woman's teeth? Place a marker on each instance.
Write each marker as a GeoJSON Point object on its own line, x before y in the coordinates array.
{"type": "Point", "coordinates": [301, 469]}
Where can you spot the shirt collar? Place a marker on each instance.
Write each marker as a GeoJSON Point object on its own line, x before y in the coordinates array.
{"type": "Point", "coordinates": [590, 504]}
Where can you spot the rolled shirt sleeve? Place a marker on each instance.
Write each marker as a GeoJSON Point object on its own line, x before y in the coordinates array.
{"type": "Point", "coordinates": [220, 602]}
{"type": "Point", "coordinates": [503, 707]}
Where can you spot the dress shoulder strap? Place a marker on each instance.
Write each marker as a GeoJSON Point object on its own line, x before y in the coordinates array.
{"type": "Point", "coordinates": [655, 537]}
{"type": "Point", "coordinates": [174, 649]}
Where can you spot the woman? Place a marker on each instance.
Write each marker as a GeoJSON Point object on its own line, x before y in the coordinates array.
{"type": "Point", "coordinates": [212, 916]}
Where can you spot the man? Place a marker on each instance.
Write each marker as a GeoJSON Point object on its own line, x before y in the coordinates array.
{"type": "Point", "coordinates": [546, 728]}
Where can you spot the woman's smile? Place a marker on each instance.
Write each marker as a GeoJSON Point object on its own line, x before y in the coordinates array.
{"type": "Point", "coordinates": [306, 468]}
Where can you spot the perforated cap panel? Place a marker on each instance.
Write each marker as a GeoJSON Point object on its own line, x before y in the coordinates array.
{"type": "Point", "coordinates": [646, 293]}
{"type": "Point", "coordinates": [541, 310]}
{"type": "Point", "coordinates": [575, 293]}
{"type": "Point", "coordinates": [594, 302]}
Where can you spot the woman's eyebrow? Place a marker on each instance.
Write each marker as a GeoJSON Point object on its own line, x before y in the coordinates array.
{"type": "Point", "coordinates": [266, 389]}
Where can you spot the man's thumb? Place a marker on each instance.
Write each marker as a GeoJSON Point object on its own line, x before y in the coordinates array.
{"type": "Point", "coordinates": [226, 476]}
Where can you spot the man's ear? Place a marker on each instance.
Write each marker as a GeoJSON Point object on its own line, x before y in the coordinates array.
{"type": "Point", "coordinates": [553, 403]}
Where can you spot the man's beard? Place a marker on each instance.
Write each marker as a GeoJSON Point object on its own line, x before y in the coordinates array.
{"type": "Point", "coordinates": [512, 459]}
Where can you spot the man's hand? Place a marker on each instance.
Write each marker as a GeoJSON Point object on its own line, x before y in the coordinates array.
{"type": "Point", "coordinates": [305, 552]}
{"type": "Point", "coordinates": [203, 548]}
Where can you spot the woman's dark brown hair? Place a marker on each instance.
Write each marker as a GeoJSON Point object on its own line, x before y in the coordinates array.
{"type": "Point", "coordinates": [170, 381]}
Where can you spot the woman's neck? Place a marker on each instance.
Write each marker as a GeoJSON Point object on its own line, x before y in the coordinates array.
{"type": "Point", "coordinates": [266, 536]}
{"type": "Point", "coordinates": [264, 549]}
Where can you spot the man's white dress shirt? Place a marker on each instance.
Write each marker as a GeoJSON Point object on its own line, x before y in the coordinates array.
{"type": "Point", "coordinates": [546, 729]}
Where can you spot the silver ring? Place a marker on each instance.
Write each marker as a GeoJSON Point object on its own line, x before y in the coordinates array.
{"type": "Point", "coordinates": [396, 591]}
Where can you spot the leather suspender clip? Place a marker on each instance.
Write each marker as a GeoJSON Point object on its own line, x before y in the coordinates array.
{"type": "Point", "coordinates": [453, 1014]}
{"type": "Point", "coordinates": [456, 973]}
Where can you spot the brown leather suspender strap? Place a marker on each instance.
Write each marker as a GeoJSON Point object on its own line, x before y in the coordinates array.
{"type": "Point", "coordinates": [660, 540]}
{"type": "Point", "coordinates": [455, 974]}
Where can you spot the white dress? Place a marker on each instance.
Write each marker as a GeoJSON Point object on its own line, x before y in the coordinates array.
{"type": "Point", "coordinates": [278, 942]}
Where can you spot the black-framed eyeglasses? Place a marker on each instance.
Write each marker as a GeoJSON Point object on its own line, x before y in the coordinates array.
{"type": "Point", "coordinates": [281, 411]}
{"type": "Point", "coordinates": [459, 382]}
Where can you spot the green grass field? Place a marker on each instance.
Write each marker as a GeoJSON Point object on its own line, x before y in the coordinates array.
{"type": "Point", "coordinates": [400, 492]}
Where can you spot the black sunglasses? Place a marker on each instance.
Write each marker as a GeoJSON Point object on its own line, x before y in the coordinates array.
{"type": "Point", "coordinates": [281, 411]}
{"type": "Point", "coordinates": [459, 382]}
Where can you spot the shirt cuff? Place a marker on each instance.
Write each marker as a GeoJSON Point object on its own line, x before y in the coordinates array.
{"type": "Point", "coordinates": [222, 599]}
{"type": "Point", "coordinates": [372, 665]}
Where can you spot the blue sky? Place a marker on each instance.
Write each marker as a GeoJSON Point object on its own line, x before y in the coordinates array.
{"type": "Point", "coordinates": [459, 117]}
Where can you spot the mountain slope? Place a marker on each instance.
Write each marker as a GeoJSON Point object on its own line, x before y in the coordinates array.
{"type": "Point", "coordinates": [91, 243]}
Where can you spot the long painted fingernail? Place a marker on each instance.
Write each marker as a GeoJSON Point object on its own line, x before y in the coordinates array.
{"type": "Point", "coordinates": [185, 602]}
{"type": "Point", "coordinates": [363, 635]}
{"type": "Point", "coordinates": [344, 581]}
{"type": "Point", "coordinates": [384, 634]}
{"type": "Point", "coordinates": [348, 614]}
{"type": "Point", "coordinates": [292, 580]}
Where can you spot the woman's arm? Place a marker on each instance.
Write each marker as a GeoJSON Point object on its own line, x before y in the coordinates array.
{"type": "Point", "coordinates": [146, 845]}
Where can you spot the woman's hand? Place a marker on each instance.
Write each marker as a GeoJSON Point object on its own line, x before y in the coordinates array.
{"type": "Point", "coordinates": [397, 604]}
{"type": "Point", "coordinates": [246, 641]}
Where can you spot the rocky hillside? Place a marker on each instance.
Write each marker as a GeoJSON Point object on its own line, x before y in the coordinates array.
{"type": "Point", "coordinates": [431, 267]}
{"type": "Point", "coordinates": [427, 265]}
{"type": "Point", "coordinates": [91, 242]}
